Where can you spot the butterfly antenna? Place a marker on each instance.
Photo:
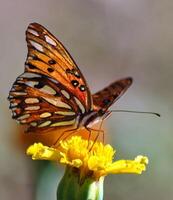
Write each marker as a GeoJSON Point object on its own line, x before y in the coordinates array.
{"type": "Point", "coordinates": [141, 112]}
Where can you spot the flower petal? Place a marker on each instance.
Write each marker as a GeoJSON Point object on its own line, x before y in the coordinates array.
{"type": "Point", "coordinates": [41, 152]}
{"type": "Point", "coordinates": [129, 166]}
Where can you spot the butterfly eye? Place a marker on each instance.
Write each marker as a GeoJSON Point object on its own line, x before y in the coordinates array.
{"type": "Point", "coordinates": [101, 112]}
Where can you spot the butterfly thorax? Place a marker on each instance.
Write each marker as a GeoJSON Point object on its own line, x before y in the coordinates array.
{"type": "Point", "coordinates": [91, 117]}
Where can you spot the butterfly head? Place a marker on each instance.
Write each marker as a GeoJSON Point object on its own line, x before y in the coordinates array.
{"type": "Point", "coordinates": [101, 112]}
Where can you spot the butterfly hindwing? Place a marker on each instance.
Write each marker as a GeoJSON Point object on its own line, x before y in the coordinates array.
{"type": "Point", "coordinates": [107, 96]}
{"type": "Point", "coordinates": [40, 101]}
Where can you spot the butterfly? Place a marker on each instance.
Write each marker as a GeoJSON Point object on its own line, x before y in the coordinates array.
{"type": "Point", "coordinates": [52, 92]}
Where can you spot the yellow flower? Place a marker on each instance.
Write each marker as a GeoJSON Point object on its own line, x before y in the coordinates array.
{"type": "Point", "coordinates": [41, 152]}
{"type": "Point", "coordinates": [93, 160]}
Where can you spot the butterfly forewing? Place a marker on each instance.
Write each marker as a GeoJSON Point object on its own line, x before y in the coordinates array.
{"type": "Point", "coordinates": [104, 98]}
{"type": "Point", "coordinates": [46, 55]}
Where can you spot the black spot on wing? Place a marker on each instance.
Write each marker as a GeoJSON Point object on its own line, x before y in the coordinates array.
{"type": "Point", "coordinates": [73, 72]}
{"type": "Point", "coordinates": [74, 83]}
{"type": "Point", "coordinates": [82, 88]}
{"type": "Point", "coordinates": [68, 71]}
{"type": "Point", "coordinates": [76, 73]}
{"type": "Point", "coordinates": [52, 62]}
{"type": "Point", "coordinates": [31, 66]}
{"type": "Point", "coordinates": [50, 70]}
{"type": "Point", "coordinates": [39, 85]}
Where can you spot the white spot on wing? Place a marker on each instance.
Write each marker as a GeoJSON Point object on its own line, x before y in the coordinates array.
{"type": "Point", "coordinates": [30, 75]}
{"type": "Point", "coordinates": [32, 108]}
{"type": "Point", "coordinates": [31, 100]}
{"type": "Point", "coordinates": [33, 124]}
{"type": "Point", "coordinates": [23, 117]}
{"type": "Point", "coordinates": [13, 89]}
{"type": "Point", "coordinates": [23, 121]}
{"type": "Point", "coordinates": [29, 58]}
{"type": "Point", "coordinates": [64, 123]}
{"type": "Point", "coordinates": [79, 105]}
{"type": "Point", "coordinates": [19, 81]}
{"type": "Point", "coordinates": [14, 114]}
{"type": "Point", "coordinates": [13, 104]}
{"type": "Point", "coordinates": [19, 78]}
{"type": "Point", "coordinates": [57, 102]}
{"type": "Point", "coordinates": [53, 80]}
{"type": "Point", "coordinates": [47, 89]}
{"type": "Point", "coordinates": [33, 32]}
{"type": "Point", "coordinates": [65, 113]}
{"type": "Point", "coordinates": [18, 93]}
{"type": "Point", "coordinates": [46, 123]}
{"type": "Point", "coordinates": [10, 97]}
{"type": "Point", "coordinates": [45, 114]}
{"type": "Point", "coordinates": [31, 83]}
{"type": "Point", "coordinates": [50, 40]}
{"type": "Point", "coordinates": [31, 26]}
{"type": "Point", "coordinates": [37, 45]}
{"type": "Point", "coordinates": [65, 93]}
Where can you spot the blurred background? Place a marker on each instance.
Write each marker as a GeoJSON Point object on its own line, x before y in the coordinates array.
{"type": "Point", "coordinates": [109, 40]}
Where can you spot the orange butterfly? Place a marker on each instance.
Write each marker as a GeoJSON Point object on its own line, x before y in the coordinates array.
{"type": "Point", "coordinates": [52, 92]}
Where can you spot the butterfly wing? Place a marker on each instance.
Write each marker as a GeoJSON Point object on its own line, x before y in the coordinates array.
{"type": "Point", "coordinates": [41, 102]}
{"type": "Point", "coordinates": [52, 91]}
{"type": "Point", "coordinates": [46, 55]}
{"type": "Point", "coordinates": [106, 97]}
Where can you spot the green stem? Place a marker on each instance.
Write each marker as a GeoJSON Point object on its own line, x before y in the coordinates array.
{"type": "Point", "coordinates": [71, 187]}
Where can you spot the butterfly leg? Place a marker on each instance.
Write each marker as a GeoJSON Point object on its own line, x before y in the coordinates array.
{"type": "Point", "coordinates": [107, 114]}
{"type": "Point", "coordinates": [95, 139]}
{"type": "Point", "coordinates": [71, 133]}
{"type": "Point", "coordinates": [61, 136]}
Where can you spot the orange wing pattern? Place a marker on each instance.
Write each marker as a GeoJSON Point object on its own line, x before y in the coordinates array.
{"type": "Point", "coordinates": [46, 55]}
{"type": "Point", "coordinates": [41, 102]}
